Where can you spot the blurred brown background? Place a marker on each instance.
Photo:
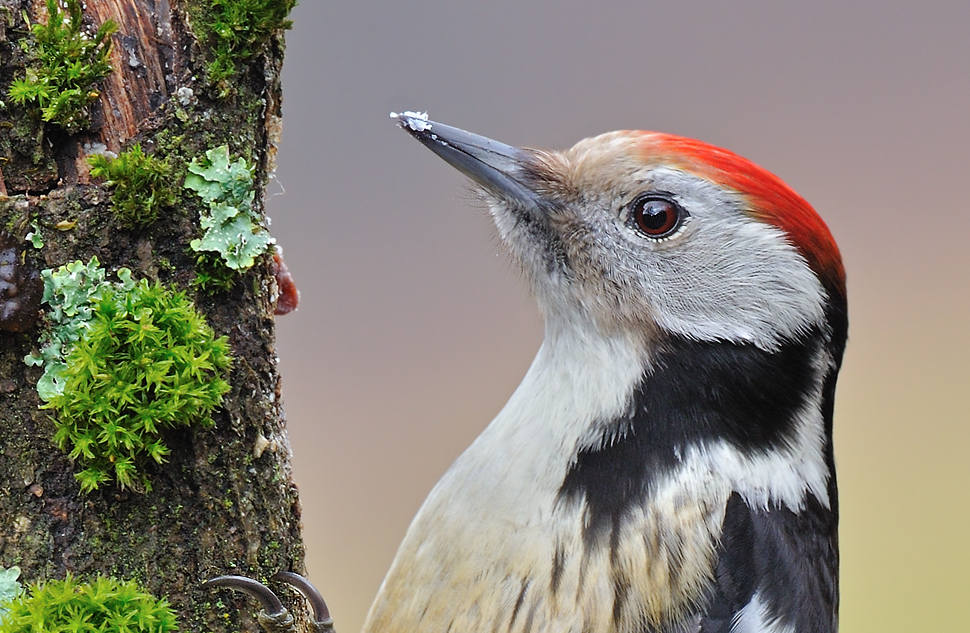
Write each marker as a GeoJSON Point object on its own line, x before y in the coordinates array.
{"type": "Point", "coordinates": [414, 329]}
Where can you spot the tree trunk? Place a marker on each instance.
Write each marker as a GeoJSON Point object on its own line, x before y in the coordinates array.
{"type": "Point", "coordinates": [224, 501]}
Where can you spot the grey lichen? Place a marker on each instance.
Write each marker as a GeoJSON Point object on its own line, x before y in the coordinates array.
{"type": "Point", "coordinates": [71, 292]}
{"type": "Point", "coordinates": [9, 587]}
{"type": "Point", "coordinates": [231, 225]}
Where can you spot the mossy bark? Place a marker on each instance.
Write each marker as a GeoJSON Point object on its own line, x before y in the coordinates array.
{"type": "Point", "coordinates": [225, 501]}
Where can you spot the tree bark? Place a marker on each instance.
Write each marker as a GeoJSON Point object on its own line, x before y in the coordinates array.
{"type": "Point", "coordinates": [225, 501]}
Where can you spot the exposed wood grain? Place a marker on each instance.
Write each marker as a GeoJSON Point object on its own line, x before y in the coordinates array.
{"type": "Point", "coordinates": [143, 53]}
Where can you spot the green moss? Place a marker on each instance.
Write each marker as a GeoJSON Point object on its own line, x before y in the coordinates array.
{"type": "Point", "coordinates": [231, 225]}
{"type": "Point", "coordinates": [212, 275]}
{"type": "Point", "coordinates": [65, 65]}
{"type": "Point", "coordinates": [236, 31]}
{"type": "Point", "coordinates": [141, 185]}
{"type": "Point", "coordinates": [71, 293]}
{"type": "Point", "coordinates": [147, 362]}
{"type": "Point", "coordinates": [106, 605]}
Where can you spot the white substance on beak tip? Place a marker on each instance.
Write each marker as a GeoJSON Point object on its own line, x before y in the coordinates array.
{"type": "Point", "coordinates": [417, 121]}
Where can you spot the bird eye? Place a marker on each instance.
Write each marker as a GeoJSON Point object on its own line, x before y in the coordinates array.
{"type": "Point", "coordinates": [657, 217]}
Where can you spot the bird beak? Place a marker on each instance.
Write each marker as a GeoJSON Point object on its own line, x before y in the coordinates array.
{"type": "Point", "coordinates": [501, 169]}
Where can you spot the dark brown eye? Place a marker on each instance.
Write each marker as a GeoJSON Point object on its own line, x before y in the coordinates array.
{"type": "Point", "coordinates": [657, 217]}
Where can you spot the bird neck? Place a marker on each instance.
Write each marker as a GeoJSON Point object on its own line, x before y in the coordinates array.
{"type": "Point", "coordinates": [594, 407]}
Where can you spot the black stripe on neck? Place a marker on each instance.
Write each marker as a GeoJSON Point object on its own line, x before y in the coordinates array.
{"type": "Point", "coordinates": [696, 393]}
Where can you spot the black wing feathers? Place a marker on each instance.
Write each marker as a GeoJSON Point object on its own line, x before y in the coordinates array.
{"type": "Point", "coordinates": [736, 575]}
{"type": "Point", "coordinates": [789, 559]}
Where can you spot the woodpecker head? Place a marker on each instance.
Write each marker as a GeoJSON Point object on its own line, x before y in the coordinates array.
{"type": "Point", "coordinates": [650, 233]}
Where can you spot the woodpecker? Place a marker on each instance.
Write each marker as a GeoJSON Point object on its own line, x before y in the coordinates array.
{"type": "Point", "coordinates": [666, 464]}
